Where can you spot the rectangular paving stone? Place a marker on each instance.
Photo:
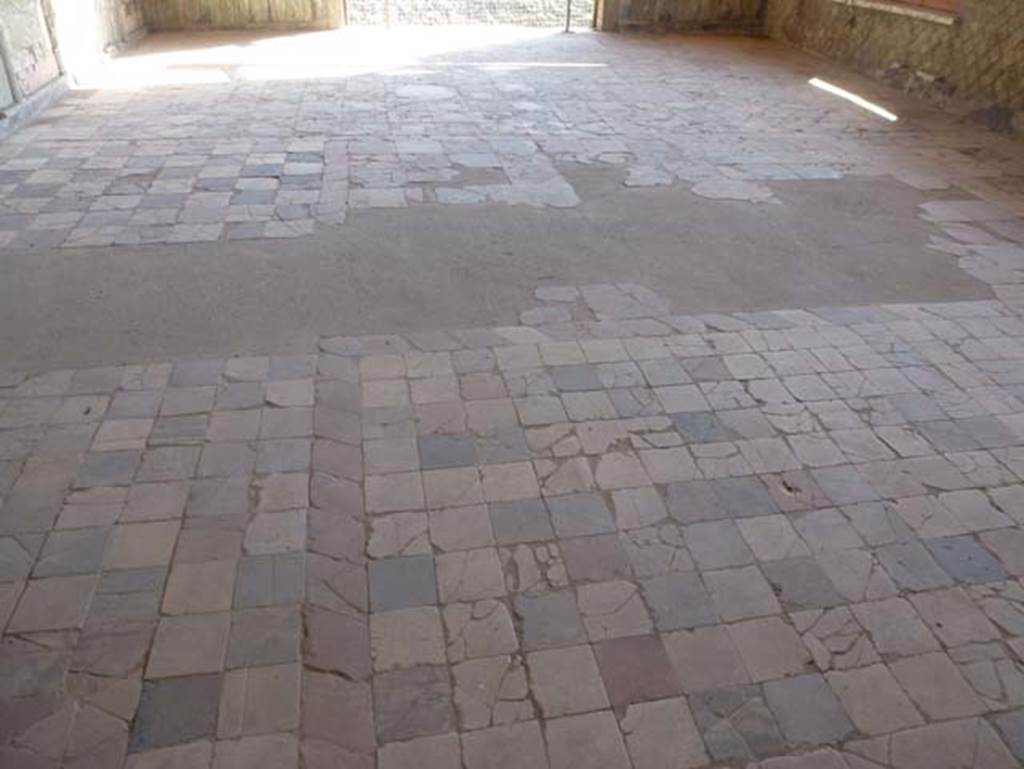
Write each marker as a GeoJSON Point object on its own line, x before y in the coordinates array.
{"type": "Point", "coordinates": [76, 551]}
{"type": "Point", "coordinates": [965, 560]}
{"type": "Point", "coordinates": [549, 619]}
{"type": "Point", "coordinates": [398, 583]}
{"type": "Point", "coordinates": [412, 703]}
{"type": "Point", "coordinates": [737, 724]}
{"type": "Point", "coordinates": [807, 711]}
{"type": "Point", "coordinates": [575, 515]}
{"type": "Point", "coordinates": [266, 636]}
{"type": "Point", "coordinates": [679, 601]}
{"type": "Point", "coordinates": [268, 580]}
{"type": "Point", "coordinates": [175, 711]}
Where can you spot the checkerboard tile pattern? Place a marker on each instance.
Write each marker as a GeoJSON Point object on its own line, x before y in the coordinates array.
{"type": "Point", "coordinates": [632, 539]}
{"type": "Point", "coordinates": [258, 159]}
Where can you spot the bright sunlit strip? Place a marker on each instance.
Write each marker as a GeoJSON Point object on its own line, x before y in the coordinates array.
{"type": "Point", "coordinates": [860, 101]}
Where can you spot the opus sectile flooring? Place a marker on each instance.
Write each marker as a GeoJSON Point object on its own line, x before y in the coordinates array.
{"type": "Point", "coordinates": [610, 537]}
{"type": "Point", "coordinates": [270, 151]}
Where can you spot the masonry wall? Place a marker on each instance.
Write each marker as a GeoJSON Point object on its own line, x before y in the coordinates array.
{"type": "Point", "coordinates": [166, 15]}
{"type": "Point", "coordinates": [975, 65]}
{"type": "Point", "coordinates": [689, 15]}
{"type": "Point", "coordinates": [29, 56]}
{"type": "Point", "coordinates": [534, 13]}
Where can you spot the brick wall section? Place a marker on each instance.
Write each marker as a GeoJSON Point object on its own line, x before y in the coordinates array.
{"type": "Point", "coordinates": [976, 65]}
{"type": "Point", "coordinates": [533, 13]}
{"type": "Point", "coordinates": [168, 15]}
{"type": "Point", "coordinates": [690, 15]}
{"type": "Point", "coordinates": [28, 46]}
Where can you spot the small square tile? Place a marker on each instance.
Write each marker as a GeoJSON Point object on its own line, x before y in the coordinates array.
{"type": "Point", "coordinates": [269, 580]}
{"type": "Point", "coordinates": [76, 551]}
{"type": "Point", "coordinates": [965, 560]}
{"type": "Point", "coordinates": [175, 711]}
{"type": "Point", "coordinates": [912, 567]}
{"type": "Point", "coordinates": [524, 520]}
{"type": "Point", "coordinates": [398, 583]}
{"type": "Point", "coordinates": [404, 638]}
{"type": "Point", "coordinates": [936, 686]}
{"type": "Point", "coordinates": [581, 514]}
{"type": "Point", "coordinates": [55, 603]}
{"type": "Point", "coordinates": [875, 702]}
{"type": "Point", "coordinates": [511, 746]}
{"type": "Point", "coordinates": [595, 559]}
{"type": "Point", "coordinates": [168, 463]}
{"type": "Point", "coordinates": [591, 740]}
{"type": "Point", "coordinates": [469, 575]}
{"type": "Point", "coordinates": [510, 481]}
{"type": "Point", "coordinates": [136, 545]}
{"type": "Point", "coordinates": [549, 619]}
{"type": "Point", "coordinates": [705, 659]}
{"type": "Point", "coordinates": [770, 648]}
{"type": "Point", "coordinates": [679, 601]}
{"type": "Point", "coordinates": [259, 701]}
{"type": "Point", "coordinates": [412, 703]}
{"type": "Point", "coordinates": [894, 627]}
{"type": "Point", "coordinates": [441, 751]}
{"type": "Point", "coordinates": [807, 711]}
{"type": "Point", "coordinates": [189, 645]}
{"type": "Point", "coordinates": [480, 629]}
{"type": "Point", "coordinates": [398, 534]}
{"type": "Point", "coordinates": [394, 492]}
{"type": "Point", "coordinates": [717, 544]}
{"type": "Point", "coordinates": [635, 669]}
{"type": "Point", "coordinates": [440, 451]}
{"type": "Point", "coordinates": [613, 609]}
{"type": "Point", "coordinates": [661, 734]}
{"type": "Point", "coordinates": [194, 588]}
{"type": "Point", "coordinates": [453, 487]}
{"type": "Point", "coordinates": [566, 681]}
{"type": "Point", "coordinates": [462, 528]}
{"type": "Point", "coordinates": [741, 593]}
{"type": "Point", "coordinates": [736, 724]}
{"type": "Point", "coordinates": [268, 636]}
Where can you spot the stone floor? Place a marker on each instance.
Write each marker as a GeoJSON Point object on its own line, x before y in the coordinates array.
{"type": "Point", "coordinates": [433, 123]}
{"type": "Point", "coordinates": [608, 533]}
{"type": "Point", "coordinates": [608, 537]}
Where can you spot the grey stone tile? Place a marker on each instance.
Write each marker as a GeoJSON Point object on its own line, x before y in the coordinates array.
{"type": "Point", "coordinates": [412, 703]}
{"type": "Point", "coordinates": [912, 566]}
{"type": "Point", "coordinates": [283, 455]}
{"type": "Point", "coordinates": [678, 601]}
{"type": "Point", "coordinates": [76, 551]}
{"type": "Point", "coordinates": [800, 583]}
{"type": "Point", "coordinates": [595, 559]}
{"type": "Point", "coordinates": [549, 619]}
{"type": "Point", "coordinates": [524, 520]}
{"type": "Point", "coordinates": [176, 711]}
{"type": "Point", "coordinates": [736, 724]}
{"type": "Point", "coordinates": [398, 583]}
{"type": "Point", "coordinates": [576, 515]}
{"type": "Point", "coordinates": [108, 468]}
{"type": "Point", "coordinates": [965, 560]}
{"type": "Point", "coordinates": [575, 378]}
{"type": "Point", "coordinates": [269, 580]}
{"type": "Point", "coordinates": [807, 711]}
{"type": "Point", "coordinates": [701, 427]}
{"type": "Point", "coordinates": [266, 636]}
{"type": "Point", "coordinates": [439, 451]}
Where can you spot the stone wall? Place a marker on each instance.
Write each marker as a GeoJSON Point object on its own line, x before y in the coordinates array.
{"type": "Point", "coordinates": [166, 15]}
{"type": "Point", "coordinates": [29, 55]}
{"type": "Point", "coordinates": [534, 13]}
{"type": "Point", "coordinates": [974, 65]}
{"type": "Point", "coordinates": [690, 15]}
{"type": "Point", "coordinates": [43, 39]}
